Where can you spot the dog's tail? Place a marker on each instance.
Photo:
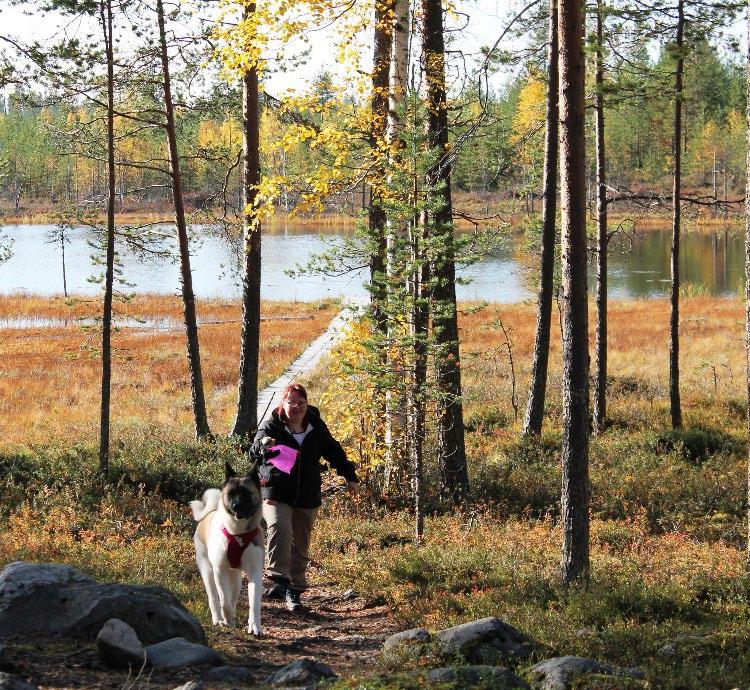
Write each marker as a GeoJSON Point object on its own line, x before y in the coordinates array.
{"type": "Point", "coordinates": [209, 503]}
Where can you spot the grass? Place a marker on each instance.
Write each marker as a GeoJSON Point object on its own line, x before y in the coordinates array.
{"type": "Point", "coordinates": [668, 592]}
{"type": "Point", "coordinates": [49, 384]}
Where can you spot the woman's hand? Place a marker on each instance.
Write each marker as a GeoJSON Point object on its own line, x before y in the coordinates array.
{"type": "Point", "coordinates": [269, 501]}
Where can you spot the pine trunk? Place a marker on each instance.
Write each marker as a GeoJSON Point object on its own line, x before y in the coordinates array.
{"type": "Point", "coordinates": [602, 240]}
{"type": "Point", "coordinates": [451, 448]}
{"type": "Point", "coordinates": [246, 419]}
{"type": "Point", "coordinates": [747, 290]}
{"type": "Point", "coordinates": [538, 389]}
{"type": "Point", "coordinates": [674, 318]}
{"type": "Point", "coordinates": [376, 218]}
{"type": "Point", "coordinates": [188, 298]}
{"type": "Point", "coordinates": [575, 481]}
{"type": "Point", "coordinates": [104, 426]}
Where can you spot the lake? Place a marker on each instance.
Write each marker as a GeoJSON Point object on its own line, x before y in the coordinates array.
{"type": "Point", "coordinates": [712, 262]}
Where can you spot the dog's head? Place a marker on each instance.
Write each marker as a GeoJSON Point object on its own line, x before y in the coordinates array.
{"type": "Point", "coordinates": [241, 495]}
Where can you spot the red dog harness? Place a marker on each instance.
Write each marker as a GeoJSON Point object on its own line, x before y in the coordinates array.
{"type": "Point", "coordinates": [237, 545]}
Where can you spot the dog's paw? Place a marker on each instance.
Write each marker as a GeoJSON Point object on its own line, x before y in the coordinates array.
{"type": "Point", "coordinates": [255, 630]}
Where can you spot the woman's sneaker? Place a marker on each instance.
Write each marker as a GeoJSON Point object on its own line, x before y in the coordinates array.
{"type": "Point", "coordinates": [291, 599]}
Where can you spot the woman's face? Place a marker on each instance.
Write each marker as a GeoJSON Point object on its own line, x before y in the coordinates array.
{"type": "Point", "coordinates": [295, 406]}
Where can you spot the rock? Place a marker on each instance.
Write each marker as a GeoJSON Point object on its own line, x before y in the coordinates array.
{"type": "Point", "coordinates": [683, 646]}
{"type": "Point", "coordinates": [485, 641]}
{"type": "Point", "coordinates": [179, 653]}
{"type": "Point", "coordinates": [6, 664]}
{"type": "Point", "coordinates": [300, 672]}
{"type": "Point", "coordinates": [559, 673]}
{"type": "Point", "coordinates": [191, 685]}
{"type": "Point", "coordinates": [119, 646]}
{"type": "Point", "coordinates": [406, 637]}
{"type": "Point", "coordinates": [238, 675]}
{"type": "Point", "coordinates": [60, 600]}
{"type": "Point", "coordinates": [407, 643]}
{"type": "Point", "coordinates": [10, 682]}
{"type": "Point", "coordinates": [465, 676]}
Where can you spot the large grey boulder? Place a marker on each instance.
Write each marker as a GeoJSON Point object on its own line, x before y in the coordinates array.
{"type": "Point", "coordinates": [119, 646]}
{"type": "Point", "coordinates": [305, 672]}
{"type": "Point", "coordinates": [10, 682]}
{"type": "Point", "coordinates": [466, 676]}
{"type": "Point", "coordinates": [179, 653]}
{"type": "Point", "coordinates": [51, 599]}
{"type": "Point", "coordinates": [560, 672]}
{"type": "Point", "coordinates": [485, 641]}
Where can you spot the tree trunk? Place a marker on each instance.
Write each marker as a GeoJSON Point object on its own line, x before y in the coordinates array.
{"type": "Point", "coordinates": [62, 250]}
{"type": "Point", "coordinates": [674, 318]}
{"type": "Point", "coordinates": [107, 25]}
{"type": "Point", "coordinates": [575, 480]}
{"type": "Point", "coordinates": [417, 394]}
{"type": "Point", "coordinates": [451, 448]}
{"type": "Point", "coordinates": [538, 388]}
{"type": "Point", "coordinates": [600, 382]}
{"type": "Point", "coordinates": [747, 290]}
{"type": "Point", "coordinates": [247, 402]}
{"type": "Point", "coordinates": [188, 298]}
{"type": "Point", "coordinates": [376, 218]}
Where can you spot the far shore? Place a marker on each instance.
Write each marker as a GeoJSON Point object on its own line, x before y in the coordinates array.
{"type": "Point", "coordinates": [471, 214]}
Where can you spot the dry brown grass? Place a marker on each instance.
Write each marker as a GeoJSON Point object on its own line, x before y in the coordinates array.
{"type": "Point", "coordinates": [50, 377]}
{"type": "Point", "coordinates": [712, 352]}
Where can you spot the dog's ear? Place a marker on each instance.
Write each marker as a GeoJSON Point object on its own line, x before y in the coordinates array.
{"type": "Point", "coordinates": [228, 472]}
{"type": "Point", "coordinates": [253, 474]}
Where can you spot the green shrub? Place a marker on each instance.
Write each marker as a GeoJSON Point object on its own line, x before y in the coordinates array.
{"type": "Point", "coordinates": [694, 445]}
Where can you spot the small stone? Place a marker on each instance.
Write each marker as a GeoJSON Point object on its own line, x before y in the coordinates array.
{"type": "Point", "coordinates": [559, 673]}
{"type": "Point", "coordinates": [300, 672]}
{"type": "Point", "coordinates": [466, 676]}
{"type": "Point", "coordinates": [485, 641]}
{"type": "Point", "coordinates": [239, 675]}
{"type": "Point", "coordinates": [407, 637]}
{"type": "Point", "coordinates": [119, 646]}
{"type": "Point", "coordinates": [179, 653]}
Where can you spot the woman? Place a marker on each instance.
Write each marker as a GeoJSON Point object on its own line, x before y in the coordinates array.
{"type": "Point", "coordinates": [290, 482]}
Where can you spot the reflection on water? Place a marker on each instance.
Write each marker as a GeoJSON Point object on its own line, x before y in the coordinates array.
{"type": "Point", "coordinates": [712, 263]}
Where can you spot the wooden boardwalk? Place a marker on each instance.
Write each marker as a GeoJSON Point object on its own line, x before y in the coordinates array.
{"type": "Point", "coordinates": [270, 396]}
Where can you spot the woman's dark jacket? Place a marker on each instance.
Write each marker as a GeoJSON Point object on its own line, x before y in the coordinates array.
{"type": "Point", "coordinates": [300, 488]}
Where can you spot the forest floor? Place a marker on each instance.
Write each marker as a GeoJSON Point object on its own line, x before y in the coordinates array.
{"type": "Point", "coordinates": [668, 507]}
{"type": "Point", "coordinates": [340, 628]}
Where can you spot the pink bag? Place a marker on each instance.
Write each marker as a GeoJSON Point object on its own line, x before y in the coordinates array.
{"type": "Point", "coordinates": [286, 458]}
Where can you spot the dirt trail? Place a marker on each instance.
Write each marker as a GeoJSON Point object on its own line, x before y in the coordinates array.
{"type": "Point", "coordinates": [341, 629]}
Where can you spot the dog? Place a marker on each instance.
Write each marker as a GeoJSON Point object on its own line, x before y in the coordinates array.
{"type": "Point", "coordinates": [229, 541]}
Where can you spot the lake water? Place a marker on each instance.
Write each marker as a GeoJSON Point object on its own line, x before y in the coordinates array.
{"type": "Point", "coordinates": [638, 266]}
